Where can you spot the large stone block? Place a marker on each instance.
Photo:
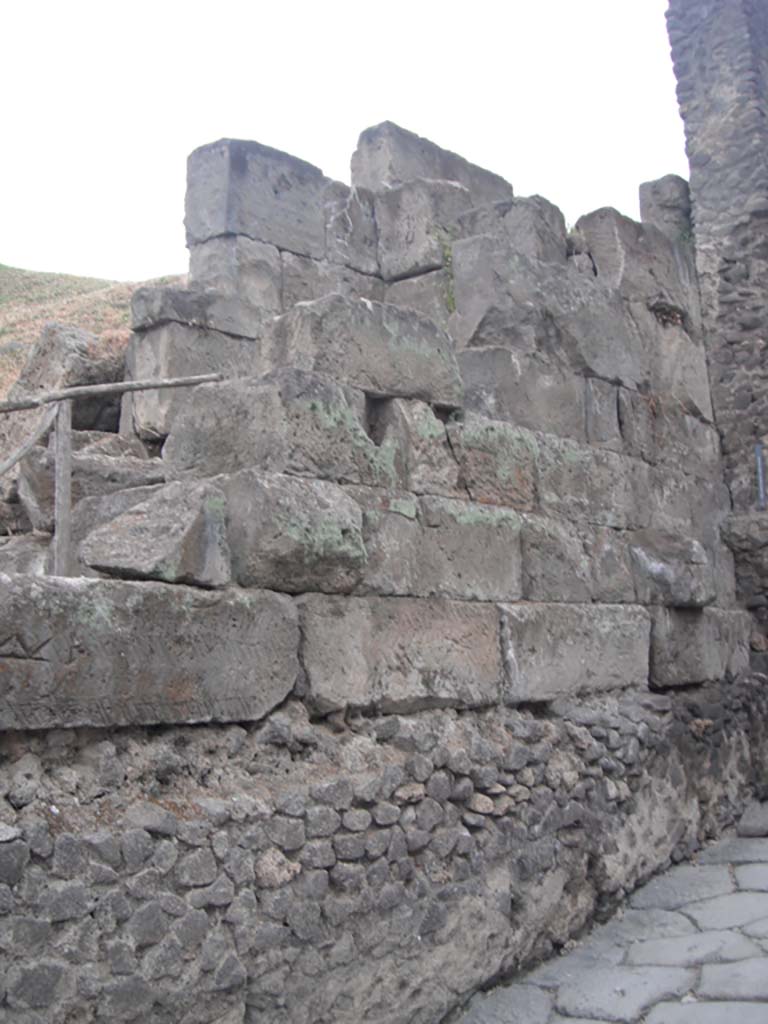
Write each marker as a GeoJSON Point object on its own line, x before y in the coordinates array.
{"type": "Point", "coordinates": [177, 535]}
{"type": "Point", "coordinates": [290, 534]}
{"type": "Point", "coordinates": [90, 513]}
{"type": "Point", "coordinates": [426, 457]}
{"type": "Point", "coordinates": [25, 553]}
{"type": "Point", "coordinates": [642, 263]}
{"type": "Point", "coordinates": [557, 650]}
{"type": "Point", "coordinates": [592, 485]}
{"type": "Point", "coordinates": [238, 265]}
{"type": "Point", "coordinates": [602, 415]}
{"type": "Point", "coordinates": [670, 569]}
{"type": "Point", "coordinates": [430, 294]}
{"type": "Point", "coordinates": [666, 203]}
{"type": "Point", "coordinates": [388, 155]}
{"type": "Point", "coordinates": [244, 188]}
{"type": "Point", "coordinates": [533, 226]}
{"type": "Point", "coordinates": [350, 228]}
{"type": "Point", "coordinates": [497, 461]}
{"type": "Point", "coordinates": [612, 581]}
{"type": "Point", "coordinates": [555, 564]}
{"type": "Point", "coordinates": [101, 652]}
{"type": "Point", "coordinates": [400, 654]}
{"type": "Point", "coordinates": [698, 646]}
{"type": "Point", "coordinates": [417, 221]}
{"type": "Point", "coordinates": [92, 474]}
{"type": "Point", "coordinates": [747, 536]}
{"type": "Point", "coordinates": [381, 349]}
{"type": "Point", "coordinates": [206, 309]}
{"type": "Point", "coordinates": [179, 350]}
{"type": "Point", "coordinates": [500, 384]}
{"type": "Point", "coordinates": [305, 280]}
{"type": "Point", "coordinates": [288, 421]}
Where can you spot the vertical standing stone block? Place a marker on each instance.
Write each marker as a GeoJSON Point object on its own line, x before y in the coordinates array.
{"type": "Point", "coordinates": [350, 228]}
{"type": "Point", "coordinates": [698, 646]}
{"type": "Point", "coordinates": [666, 203]}
{"type": "Point", "coordinates": [237, 265]}
{"type": "Point", "coordinates": [244, 188]}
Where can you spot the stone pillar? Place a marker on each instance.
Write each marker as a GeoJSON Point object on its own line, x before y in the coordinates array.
{"type": "Point", "coordinates": [720, 55]}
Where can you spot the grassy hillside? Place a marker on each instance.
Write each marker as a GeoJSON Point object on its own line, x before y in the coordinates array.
{"type": "Point", "coordinates": [29, 299]}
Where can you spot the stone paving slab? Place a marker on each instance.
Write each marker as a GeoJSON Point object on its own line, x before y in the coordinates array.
{"type": "Point", "coordinates": [691, 948]}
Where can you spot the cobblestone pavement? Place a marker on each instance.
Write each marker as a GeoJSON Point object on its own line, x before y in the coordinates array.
{"type": "Point", "coordinates": [690, 948]}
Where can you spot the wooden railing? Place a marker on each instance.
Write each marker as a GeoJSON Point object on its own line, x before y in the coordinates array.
{"type": "Point", "coordinates": [60, 414]}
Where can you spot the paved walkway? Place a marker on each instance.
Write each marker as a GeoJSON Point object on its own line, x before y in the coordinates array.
{"type": "Point", "coordinates": [691, 948]}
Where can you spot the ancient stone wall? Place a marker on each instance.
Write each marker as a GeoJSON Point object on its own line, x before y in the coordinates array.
{"type": "Point", "coordinates": [444, 550]}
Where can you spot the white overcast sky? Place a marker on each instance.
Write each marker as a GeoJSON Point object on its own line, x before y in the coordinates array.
{"type": "Point", "coordinates": [102, 102]}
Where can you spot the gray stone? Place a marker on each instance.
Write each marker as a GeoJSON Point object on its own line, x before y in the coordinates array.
{"type": "Point", "coordinates": [706, 1013]}
{"type": "Point", "coordinates": [273, 869]}
{"type": "Point", "coordinates": [379, 348]}
{"type": "Point", "coordinates": [183, 654]}
{"type": "Point", "coordinates": [424, 455]}
{"type": "Point", "coordinates": [553, 650]}
{"type": "Point", "coordinates": [754, 821]}
{"type": "Point", "coordinates": [532, 225]}
{"type": "Point", "coordinates": [25, 553]}
{"type": "Point", "coordinates": [292, 535]}
{"type": "Point", "coordinates": [207, 309]}
{"type": "Point", "coordinates": [747, 979]}
{"type": "Point", "coordinates": [400, 654]}
{"type": "Point", "coordinates": [287, 833]}
{"type": "Point", "coordinates": [196, 868]}
{"type": "Point", "coordinates": [179, 350]}
{"type": "Point", "coordinates": [692, 950]}
{"type": "Point", "coordinates": [698, 646]}
{"type": "Point", "coordinates": [556, 566]}
{"type": "Point", "coordinates": [137, 847]}
{"type": "Point", "coordinates": [322, 821]}
{"type": "Point", "coordinates": [671, 570]}
{"type": "Point", "coordinates": [350, 228]}
{"type": "Point", "coordinates": [148, 925]}
{"type": "Point", "coordinates": [152, 818]}
{"type": "Point", "coordinates": [388, 155]}
{"type": "Point", "coordinates": [752, 876]}
{"type": "Point", "coordinates": [758, 929]}
{"type": "Point", "coordinates": [417, 222]}
{"type": "Point", "coordinates": [237, 265]}
{"type": "Point", "coordinates": [666, 203]}
{"type": "Point", "coordinates": [67, 901]}
{"type": "Point", "coordinates": [602, 412]}
{"type": "Point", "coordinates": [177, 536]}
{"type": "Point", "coordinates": [14, 857]}
{"type": "Point", "coordinates": [244, 188]}
{"type": "Point", "coordinates": [429, 294]}
{"type": "Point", "coordinates": [497, 461]}
{"type": "Point", "coordinates": [36, 986]}
{"type": "Point", "coordinates": [305, 280]}
{"type": "Point", "coordinates": [621, 993]}
{"type": "Point", "coordinates": [503, 1005]}
{"type": "Point", "coordinates": [9, 832]}
{"type": "Point", "coordinates": [287, 421]}
{"type": "Point", "coordinates": [731, 911]}
{"type": "Point", "coordinates": [683, 884]}
{"type": "Point", "coordinates": [735, 851]}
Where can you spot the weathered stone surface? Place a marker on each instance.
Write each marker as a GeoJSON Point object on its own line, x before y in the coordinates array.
{"type": "Point", "coordinates": [666, 203]}
{"type": "Point", "coordinates": [602, 415]}
{"type": "Point", "coordinates": [697, 646]}
{"type": "Point", "coordinates": [91, 475]}
{"type": "Point", "coordinates": [400, 654]}
{"type": "Point", "coordinates": [291, 534]}
{"type": "Point", "coordinates": [430, 294]}
{"type": "Point", "coordinates": [523, 1003]}
{"type": "Point", "coordinates": [720, 1012]}
{"type": "Point", "coordinates": [244, 188]}
{"type": "Point", "coordinates": [305, 280]}
{"type": "Point", "coordinates": [747, 536]}
{"type": "Point", "coordinates": [350, 228]}
{"type": "Point", "coordinates": [427, 460]}
{"type": "Point", "coordinates": [90, 513]}
{"type": "Point", "coordinates": [554, 650]}
{"type": "Point", "coordinates": [683, 884]}
{"type": "Point", "coordinates": [612, 580]}
{"type": "Point", "coordinates": [533, 226]}
{"type": "Point", "coordinates": [98, 652]}
{"type": "Point", "coordinates": [63, 357]}
{"type": "Point", "coordinates": [381, 349]}
{"type": "Point", "coordinates": [754, 821]}
{"type": "Point", "coordinates": [671, 570]}
{"type": "Point", "coordinates": [388, 155]}
{"type": "Point", "coordinates": [417, 222]}
{"type": "Point", "coordinates": [621, 993]}
{"type": "Point", "coordinates": [178, 535]}
{"type": "Point", "coordinates": [642, 263]}
{"type": "Point", "coordinates": [556, 566]}
{"type": "Point", "coordinates": [730, 911]}
{"type": "Point", "coordinates": [497, 461]}
{"type": "Point", "coordinates": [238, 265]}
{"type": "Point", "coordinates": [502, 385]}
{"type": "Point", "coordinates": [179, 350]}
{"type": "Point", "coordinates": [24, 553]}
{"type": "Point", "coordinates": [207, 309]}
{"type": "Point", "coordinates": [288, 421]}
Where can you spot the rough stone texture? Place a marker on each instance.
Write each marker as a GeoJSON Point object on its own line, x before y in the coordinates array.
{"type": "Point", "coordinates": [388, 155]}
{"type": "Point", "coordinates": [553, 650]}
{"type": "Point", "coordinates": [381, 349]}
{"type": "Point", "coordinates": [26, 554]}
{"type": "Point", "coordinates": [671, 570]}
{"type": "Point", "coordinates": [666, 203]}
{"type": "Point", "coordinates": [696, 646]}
{"type": "Point", "coordinates": [350, 228]}
{"type": "Point", "coordinates": [94, 652]}
{"type": "Point", "coordinates": [292, 535]}
{"type": "Point", "coordinates": [178, 535]}
{"type": "Point", "coordinates": [305, 280]}
{"type": "Point", "coordinates": [533, 226]}
{"type": "Point", "coordinates": [288, 421]}
{"type": "Point", "coordinates": [244, 188]}
{"type": "Point", "coordinates": [400, 654]}
{"type": "Point", "coordinates": [208, 309]}
{"type": "Point", "coordinates": [430, 294]}
{"type": "Point", "coordinates": [237, 265]}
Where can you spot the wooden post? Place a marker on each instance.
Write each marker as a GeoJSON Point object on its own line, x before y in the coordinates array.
{"type": "Point", "coordinates": [63, 494]}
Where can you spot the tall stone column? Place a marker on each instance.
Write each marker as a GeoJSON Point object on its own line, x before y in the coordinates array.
{"type": "Point", "coordinates": [720, 54]}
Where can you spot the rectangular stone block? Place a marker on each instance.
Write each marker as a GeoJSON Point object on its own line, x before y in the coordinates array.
{"type": "Point", "coordinates": [388, 155]}
{"type": "Point", "coordinates": [76, 652]}
{"type": "Point", "coordinates": [532, 225]}
{"type": "Point", "coordinates": [287, 421]}
{"type": "Point", "coordinates": [417, 221]}
{"type": "Point", "coordinates": [556, 566]}
{"type": "Point", "coordinates": [497, 461]}
{"type": "Point", "coordinates": [698, 646]}
{"type": "Point", "coordinates": [430, 294]}
{"type": "Point", "coordinates": [244, 188]}
{"type": "Point", "coordinates": [400, 654]}
{"type": "Point", "coordinates": [305, 280]}
{"type": "Point", "coordinates": [381, 349]}
{"type": "Point", "coordinates": [350, 228]}
{"type": "Point", "coordinates": [237, 265]}
{"type": "Point", "coordinates": [670, 569]}
{"type": "Point", "coordinates": [426, 458]}
{"type": "Point", "coordinates": [558, 650]}
{"type": "Point", "coordinates": [602, 409]}
{"type": "Point", "coordinates": [179, 350]}
{"type": "Point", "coordinates": [217, 311]}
